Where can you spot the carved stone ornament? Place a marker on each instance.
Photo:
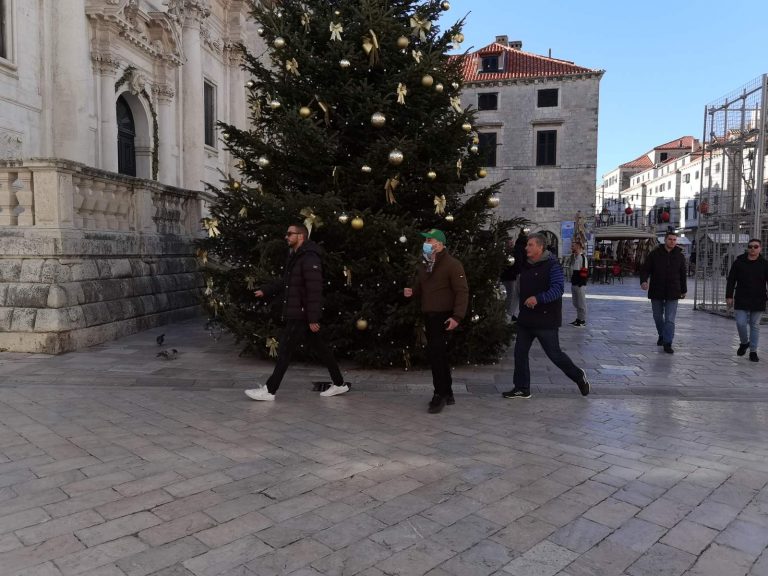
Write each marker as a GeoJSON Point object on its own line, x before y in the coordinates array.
{"type": "Point", "coordinates": [10, 146]}
{"type": "Point", "coordinates": [181, 9]}
{"type": "Point", "coordinates": [136, 83]}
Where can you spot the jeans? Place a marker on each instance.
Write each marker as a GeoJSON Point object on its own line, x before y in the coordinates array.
{"type": "Point", "coordinates": [295, 333]}
{"type": "Point", "coordinates": [437, 352]}
{"type": "Point", "coordinates": [751, 319]}
{"type": "Point", "coordinates": [512, 301]}
{"type": "Point", "coordinates": [550, 342]}
{"type": "Point", "coordinates": [579, 294]}
{"type": "Point", "coordinates": [664, 312]}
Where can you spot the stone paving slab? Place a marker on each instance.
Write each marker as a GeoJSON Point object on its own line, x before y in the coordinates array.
{"type": "Point", "coordinates": [114, 462]}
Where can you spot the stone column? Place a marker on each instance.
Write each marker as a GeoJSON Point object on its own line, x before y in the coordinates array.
{"type": "Point", "coordinates": [237, 105]}
{"type": "Point", "coordinates": [108, 114]}
{"type": "Point", "coordinates": [167, 169]}
{"type": "Point", "coordinates": [193, 140]}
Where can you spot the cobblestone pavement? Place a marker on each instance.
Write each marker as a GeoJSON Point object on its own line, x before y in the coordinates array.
{"type": "Point", "coordinates": [115, 462]}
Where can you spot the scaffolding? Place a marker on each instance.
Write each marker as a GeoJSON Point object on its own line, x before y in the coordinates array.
{"type": "Point", "coordinates": [732, 195]}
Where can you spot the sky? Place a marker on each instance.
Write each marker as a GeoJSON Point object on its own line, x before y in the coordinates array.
{"type": "Point", "coordinates": [663, 61]}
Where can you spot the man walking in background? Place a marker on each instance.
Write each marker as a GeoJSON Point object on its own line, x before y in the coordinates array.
{"type": "Point", "coordinates": [442, 288]}
{"type": "Point", "coordinates": [665, 268]}
{"type": "Point", "coordinates": [748, 276]}
{"type": "Point", "coordinates": [579, 276]}
{"type": "Point", "coordinates": [302, 290]}
{"type": "Point", "coordinates": [541, 309]}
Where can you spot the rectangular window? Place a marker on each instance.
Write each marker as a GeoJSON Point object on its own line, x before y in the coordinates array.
{"type": "Point", "coordinates": [663, 156]}
{"type": "Point", "coordinates": [3, 32]}
{"type": "Point", "coordinates": [490, 64]}
{"type": "Point", "coordinates": [696, 176]}
{"type": "Point", "coordinates": [545, 199]}
{"type": "Point", "coordinates": [546, 148]}
{"type": "Point", "coordinates": [717, 168]}
{"type": "Point", "coordinates": [209, 105]}
{"type": "Point", "coordinates": [687, 178]}
{"type": "Point", "coordinates": [488, 101]}
{"type": "Point", "coordinates": [547, 98]}
{"type": "Point", "coordinates": [488, 147]}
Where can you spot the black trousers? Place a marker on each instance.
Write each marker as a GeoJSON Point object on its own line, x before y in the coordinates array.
{"type": "Point", "coordinates": [296, 332]}
{"type": "Point", "coordinates": [437, 351]}
{"type": "Point", "coordinates": [550, 342]}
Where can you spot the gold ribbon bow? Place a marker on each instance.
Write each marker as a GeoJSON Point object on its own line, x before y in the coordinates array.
{"type": "Point", "coordinates": [456, 104]}
{"type": "Point", "coordinates": [420, 27]}
{"type": "Point", "coordinates": [208, 287]}
{"type": "Point", "coordinates": [272, 347]}
{"type": "Point", "coordinates": [250, 282]}
{"type": "Point", "coordinates": [371, 47]}
{"type": "Point", "coordinates": [243, 212]}
{"type": "Point", "coordinates": [256, 107]}
{"type": "Point", "coordinates": [417, 55]}
{"type": "Point", "coordinates": [458, 168]}
{"type": "Point", "coordinates": [212, 225]}
{"type": "Point", "coordinates": [292, 66]}
{"type": "Point", "coordinates": [348, 275]}
{"type": "Point", "coordinates": [305, 21]}
{"type": "Point", "coordinates": [389, 188]}
{"type": "Point", "coordinates": [439, 202]}
{"type": "Point", "coordinates": [401, 93]}
{"type": "Point", "coordinates": [336, 31]}
{"type": "Point", "coordinates": [202, 255]}
{"type": "Point", "coordinates": [310, 219]}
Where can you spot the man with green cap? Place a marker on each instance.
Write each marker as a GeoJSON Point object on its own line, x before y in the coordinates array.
{"type": "Point", "coordinates": [441, 286]}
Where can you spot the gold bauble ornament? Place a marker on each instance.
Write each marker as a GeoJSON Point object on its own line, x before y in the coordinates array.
{"type": "Point", "coordinates": [396, 157]}
{"type": "Point", "coordinates": [343, 218]}
{"type": "Point", "coordinates": [263, 161]}
{"type": "Point", "coordinates": [445, 5]}
{"type": "Point", "coordinates": [378, 119]}
{"type": "Point", "coordinates": [427, 80]}
{"type": "Point", "coordinates": [475, 140]}
{"type": "Point", "coordinates": [431, 174]}
{"type": "Point", "coordinates": [279, 42]}
{"type": "Point", "coordinates": [467, 127]}
{"type": "Point", "coordinates": [449, 217]}
{"type": "Point", "coordinates": [344, 63]}
{"type": "Point", "coordinates": [225, 135]}
{"type": "Point", "coordinates": [493, 200]}
{"type": "Point", "coordinates": [305, 111]}
{"type": "Point", "coordinates": [361, 324]}
{"type": "Point", "coordinates": [274, 104]}
{"type": "Point", "coordinates": [482, 172]}
{"type": "Point", "coordinates": [366, 169]}
{"type": "Point", "coordinates": [357, 223]}
{"type": "Point", "coordinates": [458, 38]}
{"type": "Point", "coordinates": [439, 88]}
{"type": "Point", "coordinates": [403, 42]}
{"type": "Point", "coordinates": [236, 185]}
{"type": "Point", "coordinates": [474, 149]}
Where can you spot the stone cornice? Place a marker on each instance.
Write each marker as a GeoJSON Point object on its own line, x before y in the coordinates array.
{"type": "Point", "coordinates": [163, 92]}
{"type": "Point", "coordinates": [534, 80]}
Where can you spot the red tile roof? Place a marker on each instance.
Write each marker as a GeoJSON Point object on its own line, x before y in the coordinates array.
{"type": "Point", "coordinates": [641, 162]}
{"type": "Point", "coordinates": [686, 142]}
{"type": "Point", "coordinates": [517, 65]}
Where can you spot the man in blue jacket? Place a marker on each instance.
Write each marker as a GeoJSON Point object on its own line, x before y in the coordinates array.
{"type": "Point", "coordinates": [541, 313]}
{"type": "Point", "coordinates": [302, 291]}
{"type": "Point", "coordinates": [749, 278]}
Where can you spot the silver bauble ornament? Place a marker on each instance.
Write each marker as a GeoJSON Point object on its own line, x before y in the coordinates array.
{"type": "Point", "coordinates": [511, 260]}
{"type": "Point", "coordinates": [396, 157]}
{"type": "Point", "coordinates": [439, 88]}
{"type": "Point", "coordinates": [343, 218]}
{"type": "Point", "coordinates": [263, 161]}
{"type": "Point", "coordinates": [474, 149]}
{"type": "Point", "coordinates": [455, 85]}
{"type": "Point", "coordinates": [493, 200]}
{"type": "Point", "coordinates": [467, 127]}
{"type": "Point", "coordinates": [274, 104]}
{"type": "Point", "coordinates": [366, 169]}
{"type": "Point", "coordinates": [250, 84]}
{"type": "Point", "coordinates": [279, 42]}
{"type": "Point", "coordinates": [344, 63]}
{"type": "Point", "coordinates": [445, 5]}
{"type": "Point", "coordinates": [449, 218]}
{"type": "Point", "coordinates": [475, 318]}
{"type": "Point", "coordinates": [431, 174]}
{"type": "Point", "coordinates": [403, 239]}
{"type": "Point", "coordinates": [378, 119]}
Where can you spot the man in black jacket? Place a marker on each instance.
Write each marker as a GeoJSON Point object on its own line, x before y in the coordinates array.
{"type": "Point", "coordinates": [665, 267]}
{"type": "Point", "coordinates": [302, 290]}
{"type": "Point", "coordinates": [749, 278]}
{"type": "Point", "coordinates": [541, 313]}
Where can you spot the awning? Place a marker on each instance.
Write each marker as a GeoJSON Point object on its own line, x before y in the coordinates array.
{"type": "Point", "coordinates": [681, 240]}
{"type": "Point", "coordinates": [727, 238]}
{"type": "Point", "coordinates": [620, 232]}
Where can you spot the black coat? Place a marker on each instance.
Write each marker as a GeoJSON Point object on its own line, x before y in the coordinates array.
{"type": "Point", "coordinates": [302, 284]}
{"type": "Point", "coordinates": [667, 272]}
{"type": "Point", "coordinates": [749, 278]}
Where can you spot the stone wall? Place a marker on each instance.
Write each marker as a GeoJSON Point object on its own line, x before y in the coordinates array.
{"type": "Point", "coordinates": [87, 256]}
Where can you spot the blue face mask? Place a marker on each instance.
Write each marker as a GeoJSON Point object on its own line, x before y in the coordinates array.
{"type": "Point", "coordinates": [427, 249]}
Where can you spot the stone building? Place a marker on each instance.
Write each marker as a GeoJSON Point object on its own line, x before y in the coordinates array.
{"type": "Point", "coordinates": [537, 124]}
{"type": "Point", "coordinates": [107, 133]}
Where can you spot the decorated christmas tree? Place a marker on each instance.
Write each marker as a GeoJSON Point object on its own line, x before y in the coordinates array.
{"type": "Point", "coordinates": [357, 130]}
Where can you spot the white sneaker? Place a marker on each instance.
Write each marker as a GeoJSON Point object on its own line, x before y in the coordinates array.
{"type": "Point", "coordinates": [260, 394]}
{"type": "Point", "coordinates": [335, 390]}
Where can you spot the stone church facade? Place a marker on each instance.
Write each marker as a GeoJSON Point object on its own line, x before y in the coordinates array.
{"type": "Point", "coordinates": [107, 134]}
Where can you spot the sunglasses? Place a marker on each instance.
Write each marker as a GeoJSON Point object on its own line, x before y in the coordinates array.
{"type": "Point", "coordinates": [753, 246]}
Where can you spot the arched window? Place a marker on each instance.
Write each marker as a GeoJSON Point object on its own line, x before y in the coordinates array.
{"type": "Point", "coordinates": [126, 134]}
